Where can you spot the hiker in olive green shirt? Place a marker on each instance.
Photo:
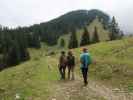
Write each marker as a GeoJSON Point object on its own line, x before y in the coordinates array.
{"type": "Point", "coordinates": [70, 65]}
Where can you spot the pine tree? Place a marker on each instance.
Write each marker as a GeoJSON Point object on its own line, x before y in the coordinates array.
{"type": "Point", "coordinates": [114, 30]}
{"type": "Point", "coordinates": [13, 56]}
{"type": "Point", "coordinates": [73, 42]}
{"type": "Point", "coordinates": [0, 39]}
{"type": "Point", "coordinates": [33, 40]}
{"type": "Point", "coordinates": [13, 46]}
{"type": "Point", "coordinates": [36, 41]}
{"type": "Point", "coordinates": [62, 43]}
{"type": "Point", "coordinates": [24, 54]}
{"type": "Point", "coordinates": [85, 39]}
{"type": "Point", "coordinates": [95, 37]}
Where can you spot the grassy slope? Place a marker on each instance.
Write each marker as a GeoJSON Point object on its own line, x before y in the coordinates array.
{"type": "Point", "coordinates": [30, 79]}
{"type": "Point", "coordinates": [34, 79]}
{"type": "Point", "coordinates": [103, 34]}
{"type": "Point", "coordinates": [114, 64]}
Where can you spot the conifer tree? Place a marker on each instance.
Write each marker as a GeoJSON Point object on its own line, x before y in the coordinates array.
{"type": "Point", "coordinates": [73, 42]}
{"type": "Point", "coordinates": [114, 30]}
{"type": "Point", "coordinates": [95, 37]}
{"type": "Point", "coordinates": [85, 38]}
{"type": "Point", "coordinates": [62, 43]}
{"type": "Point", "coordinates": [36, 41]}
{"type": "Point", "coordinates": [13, 56]}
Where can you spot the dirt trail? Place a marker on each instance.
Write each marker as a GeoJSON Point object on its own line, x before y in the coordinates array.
{"type": "Point", "coordinates": [74, 90]}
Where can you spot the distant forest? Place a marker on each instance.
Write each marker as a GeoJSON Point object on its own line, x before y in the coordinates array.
{"type": "Point", "coordinates": [14, 42]}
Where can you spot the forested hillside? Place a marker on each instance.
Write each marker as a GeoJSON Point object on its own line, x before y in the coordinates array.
{"type": "Point", "coordinates": [95, 25]}
{"type": "Point", "coordinates": [14, 42]}
{"type": "Point", "coordinates": [50, 31]}
{"type": "Point", "coordinates": [68, 22]}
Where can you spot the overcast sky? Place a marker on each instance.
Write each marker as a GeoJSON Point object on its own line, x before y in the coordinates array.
{"type": "Point", "coordinates": [15, 13]}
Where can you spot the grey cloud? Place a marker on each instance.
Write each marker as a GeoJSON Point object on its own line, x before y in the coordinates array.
{"type": "Point", "coordinates": [27, 12]}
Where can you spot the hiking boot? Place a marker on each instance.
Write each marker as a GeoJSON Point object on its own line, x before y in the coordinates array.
{"type": "Point", "coordinates": [86, 83]}
{"type": "Point", "coordinates": [73, 78]}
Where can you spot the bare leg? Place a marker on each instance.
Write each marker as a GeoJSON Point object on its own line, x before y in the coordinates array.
{"type": "Point", "coordinates": [72, 70]}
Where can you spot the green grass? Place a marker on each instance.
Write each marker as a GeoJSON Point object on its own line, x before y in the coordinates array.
{"type": "Point", "coordinates": [114, 65]}
{"type": "Point", "coordinates": [30, 79]}
{"type": "Point", "coordinates": [113, 62]}
{"type": "Point", "coordinates": [34, 79]}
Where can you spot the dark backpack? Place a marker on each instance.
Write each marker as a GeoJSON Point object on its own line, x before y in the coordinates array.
{"type": "Point", "coordinates": [63, 61]}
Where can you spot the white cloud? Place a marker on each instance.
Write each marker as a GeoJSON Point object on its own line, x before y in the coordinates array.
{"type": "Point", "coordinates": [28, 12]}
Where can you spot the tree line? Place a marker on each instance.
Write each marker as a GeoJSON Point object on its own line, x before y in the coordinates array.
{"type": "Point", "coordinates": [14, 44]}
{"type": "Point", "coordinates": [51, 31]}
{"type": "Point", "coordinates": [115, 33]}
{"type": "Point", "coordinates": [85, 38]}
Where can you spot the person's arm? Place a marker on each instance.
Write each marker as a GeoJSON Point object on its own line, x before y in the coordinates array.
{"type": "Point", "coordinates": [73, 60]}
{"type": "Point", "coordinates": [81, 61]}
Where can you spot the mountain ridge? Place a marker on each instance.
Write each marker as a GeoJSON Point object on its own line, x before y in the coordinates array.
{"type": "Point", "coordinates": [64, 24]}
{"type": "Point", "coordinates": [49, 32]}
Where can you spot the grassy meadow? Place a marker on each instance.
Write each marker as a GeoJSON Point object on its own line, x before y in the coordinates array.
{"type": "Point", "coordinates": [35, 79]}
{"type": "Point", "coordinates": [30, 80]}
{"type": "Point", "coordinates": [112, 62]}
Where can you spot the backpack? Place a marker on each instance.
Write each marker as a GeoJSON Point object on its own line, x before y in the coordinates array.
{"type": "Point", "coordinates": [63, 61]}
{"type": "Point", "coordinates": [86, 60]}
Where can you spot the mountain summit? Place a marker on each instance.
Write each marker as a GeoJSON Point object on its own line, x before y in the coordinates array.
{"type": "Point", "coordinates": [50, 31]}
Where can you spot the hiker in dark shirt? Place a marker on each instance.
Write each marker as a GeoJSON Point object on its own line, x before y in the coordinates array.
{"type": "Point", "coordinates": [70, 65]}
{"type": "Point", "coordinates": [62, 64]}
